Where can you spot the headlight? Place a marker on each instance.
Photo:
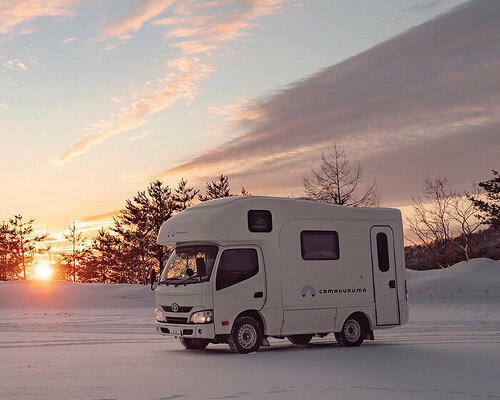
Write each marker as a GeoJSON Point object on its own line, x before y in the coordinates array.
{"type": "Point", "coordinates": [202, 317]}
{"type": "Point", "coordinates": [160, 316]}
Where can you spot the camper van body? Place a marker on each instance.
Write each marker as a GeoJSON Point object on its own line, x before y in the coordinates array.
{"type": "Point", "coordinates": [297, 288]}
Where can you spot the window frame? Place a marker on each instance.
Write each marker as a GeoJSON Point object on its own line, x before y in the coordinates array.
{"type": "Point", "coordinates": [269, 214]}
{"type": "Point", "coordinates": [319, 231]}
{"type": "Point", "coordinates": [217, 288]}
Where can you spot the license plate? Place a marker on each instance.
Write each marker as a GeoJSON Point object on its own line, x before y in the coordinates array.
{"type": "Point", "coordinates": [174, 330]}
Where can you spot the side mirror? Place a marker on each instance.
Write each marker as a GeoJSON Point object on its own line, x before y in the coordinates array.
{"type": "Point", "coordinates": [189, 272]}
{"type": "Point", "coordinates": [152, 278]}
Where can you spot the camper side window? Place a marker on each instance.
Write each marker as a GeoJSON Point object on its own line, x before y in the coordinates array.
{"type": "Point", "coordinates": [260, 221]}
{"type": "Point", "coordinates": [319, 245]}
{"type": "Point", "coordinates": [236, 266]}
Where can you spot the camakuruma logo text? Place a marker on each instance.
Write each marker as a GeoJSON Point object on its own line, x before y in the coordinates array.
{"type": "Point", "coordinates": [308, 289]}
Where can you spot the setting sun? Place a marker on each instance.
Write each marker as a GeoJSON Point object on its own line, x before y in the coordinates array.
{"type": "Point", "coordinates": [43, 271]}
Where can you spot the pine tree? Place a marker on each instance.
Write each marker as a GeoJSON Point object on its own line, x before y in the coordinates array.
{"type": "Point", "coordinates": [489, 209]}
{"type": "Point", "coordinates": [183, 196]}
{"type": "Point", "coordinates": [141, 219]}
{"type": "Point", "coordinates": [217, 189]}
{"type": "Point", "coordinates": [5, 251]}
{"type": "Point", "coordinates": [24, 244]}
{"type": "Point", "coordinates": [74, 258]}
{"type": "Point", "coordinates": [101, 265]}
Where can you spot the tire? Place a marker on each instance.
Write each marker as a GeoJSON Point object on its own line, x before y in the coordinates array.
{"type": "Point", "coordinates": [353, 332]}
{"type": "Point", "coordinates": [246, 335]}
{"type": "Point", "coordinates": [300, 339]}
{"type": "Point", "coordinates": [194, 344]}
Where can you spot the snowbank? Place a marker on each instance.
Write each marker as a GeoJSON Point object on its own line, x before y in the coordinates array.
{"type": "Point", "coordinates": [69, 295]}
{"type": "Point", "coordinates": [478, 279]}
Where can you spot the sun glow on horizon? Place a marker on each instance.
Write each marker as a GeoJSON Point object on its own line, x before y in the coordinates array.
{"type": "Point", "coordinates": [43, 271]}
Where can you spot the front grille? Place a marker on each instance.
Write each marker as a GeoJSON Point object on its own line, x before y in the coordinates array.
{"type": "Point", "coordinates": [176, 320]}
{"type": "Point", "coordinates": [182, 309]}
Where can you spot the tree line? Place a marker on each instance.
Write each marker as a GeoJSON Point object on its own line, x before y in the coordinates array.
{"type": "Point", "coordinates": [122, 254]}
{"type": "Point", "coordinates": [446, 226]}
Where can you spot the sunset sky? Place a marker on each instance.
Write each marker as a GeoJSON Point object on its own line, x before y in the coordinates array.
{"type": "Point", "coordinates": [98, 98]}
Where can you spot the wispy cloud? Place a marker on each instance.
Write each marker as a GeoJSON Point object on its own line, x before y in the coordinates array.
{"type": "Point", "coordinates": [70, 40]}
{"type": "Point", "coordinates": [14, 13]}
{"type": "Point", "coordinates": [176, 86]}
{"type": "Point", "coordinates": [436, 81]}
{"type": "Point", "coordinates": [141, 135]}
{"type": "Point", "coordinates": [142, 13]}
{"type": "Point", "coordinates": [203, 32]}
{"type": "Point", "coordinates": [16, 64]}
{"type": "Point", "coordinates": [205, 25]}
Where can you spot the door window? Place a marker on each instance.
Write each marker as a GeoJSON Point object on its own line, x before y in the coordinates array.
{"type": "Point", "coordinates": [382, 252]}
{"type": "Point", "coordinates": [236, 265]}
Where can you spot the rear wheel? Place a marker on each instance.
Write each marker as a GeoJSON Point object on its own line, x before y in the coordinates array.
{"type": "Point", "coordinates": [353, 332]}
{"type": "Point", "coordinates": [246, 335]}
{"type": "Point", "coordinates": [194, 344]}
{"type": "Point", "coordinates": [300, 339]}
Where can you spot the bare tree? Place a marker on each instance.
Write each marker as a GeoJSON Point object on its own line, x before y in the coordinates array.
{"type": "Point", "coordinates": [337, 182]}
{"type": "Point", "coordinates": [442, 218]}
{"type": "Point", "coordinates": [463, 214]}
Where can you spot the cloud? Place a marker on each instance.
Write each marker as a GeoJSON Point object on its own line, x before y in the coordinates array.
{"type": "Point", "coordinates": [436, 82]}
{"type": "Point", "coordinates": [141, 135]}
{"type": "Point", "coordinates": [181, 85]}
{"type": "Point", "coordinates": [15, 64]}
{"type": "Point", "coordinates": [70, 40]}
{"type": "Point", "coordinates": [136, 18]}
{"type": "Point", "coordinates": [16, 12]}
{"type": "Point", "coordinates": [225, 20]}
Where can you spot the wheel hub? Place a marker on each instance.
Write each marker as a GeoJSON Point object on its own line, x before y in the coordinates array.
{"type": "Point", "coordinates": [352, 330]}
{"type": "Point", "coordinates": [247, 336]}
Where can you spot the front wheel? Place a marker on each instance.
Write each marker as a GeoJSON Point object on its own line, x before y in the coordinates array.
{"type": "Point", "coordinates": [353, 332]}
{"type": "Point", "coordinates": [246, 335]}
{"type": "Point", "coordinates": [300, 339]}
{"type": "Point", "coordinates": [194, 344]}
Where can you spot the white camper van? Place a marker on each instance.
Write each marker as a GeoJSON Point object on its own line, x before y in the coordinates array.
{"type": "Point", "coordinates": [248, 268]}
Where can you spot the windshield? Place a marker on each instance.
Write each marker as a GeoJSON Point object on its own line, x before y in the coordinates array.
{"type": "Point", "coordinates": [195, 261]}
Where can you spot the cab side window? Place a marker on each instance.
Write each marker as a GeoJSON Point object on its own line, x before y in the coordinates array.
{"type": "Point", "coordinates": [236, 265]}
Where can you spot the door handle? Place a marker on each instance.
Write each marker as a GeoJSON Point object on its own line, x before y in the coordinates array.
{"type": "Point", "coordinates": [392, 284]}
{"type": "Point", "coordinates": [258, 295]}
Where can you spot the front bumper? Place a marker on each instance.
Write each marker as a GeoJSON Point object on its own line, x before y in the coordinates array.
{"type": "Point", "coordinates": [198, 331]}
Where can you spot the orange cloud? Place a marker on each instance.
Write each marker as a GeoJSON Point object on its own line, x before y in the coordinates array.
{"type": "Point", "coordinates": [226, 21]}
{"type": "Point", "coordinates": [138, 16]}
{"type": "Point", "coordinates": [182, 85]}
{"type": "Point", "coordinates": [16, 12]}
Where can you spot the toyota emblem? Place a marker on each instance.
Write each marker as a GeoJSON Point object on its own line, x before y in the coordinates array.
{"type": "Point", "coordinates": [175, 307]}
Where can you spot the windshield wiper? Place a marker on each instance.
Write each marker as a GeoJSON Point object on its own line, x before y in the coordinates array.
{"type": "Point", "coordinates": [187, 280]}
{"type": "Point", "coordinates": [167, 281]}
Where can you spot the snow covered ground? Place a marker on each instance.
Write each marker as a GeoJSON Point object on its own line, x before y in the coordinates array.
{"type": "Point", "coordinates": [73, 341]}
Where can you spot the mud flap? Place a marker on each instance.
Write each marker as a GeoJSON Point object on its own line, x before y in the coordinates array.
{"type": "Point", "coordinates": [370, 336]}
{"type": "Point", "coordinates": [265, 342]}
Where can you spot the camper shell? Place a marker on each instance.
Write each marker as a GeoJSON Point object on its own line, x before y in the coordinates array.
{"type": "Point", "coordinates": [297, 267]}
